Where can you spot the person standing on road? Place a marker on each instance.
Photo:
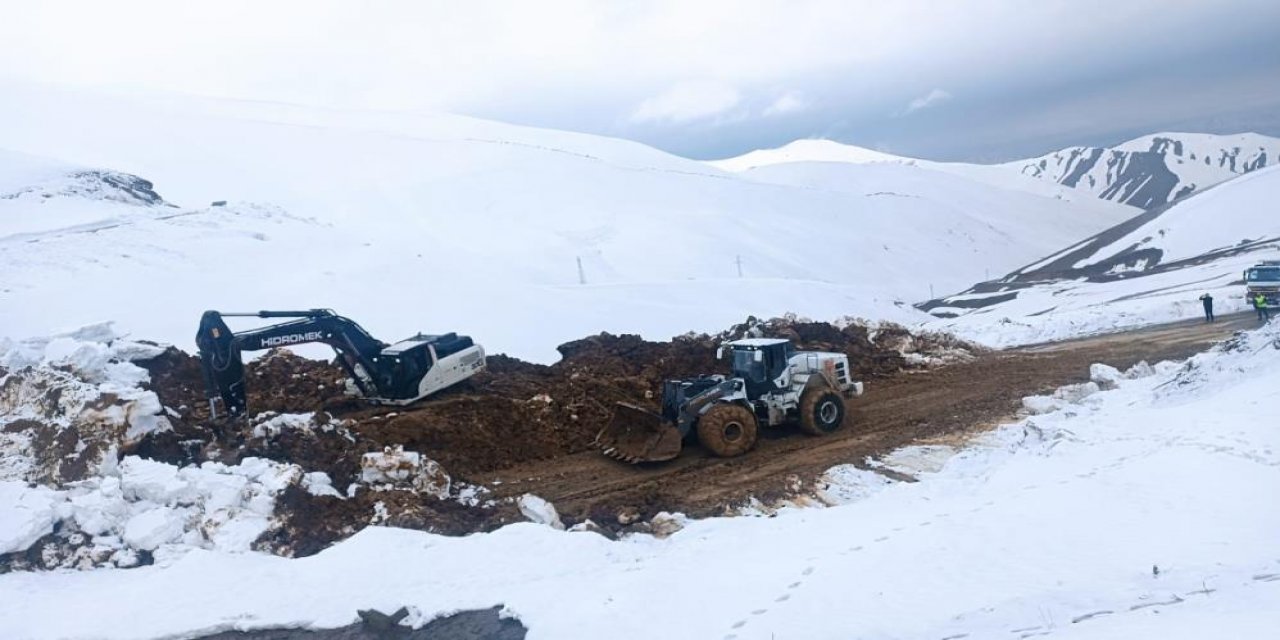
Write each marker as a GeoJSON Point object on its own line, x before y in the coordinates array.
{"type": "Point", "coordinates": [1260, 303]}
{"type": "Point", "coordinates": [1207, 301]}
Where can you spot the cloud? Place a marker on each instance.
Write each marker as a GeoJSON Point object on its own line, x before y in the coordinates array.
{"type": "Point", "coordinates": [686, 102]}
{"type": "Point", "coordinates": [789, 102]}
{"type": "Point", "coordinates": [931, 99]}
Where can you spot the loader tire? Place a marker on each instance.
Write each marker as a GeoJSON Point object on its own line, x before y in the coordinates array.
{"type": "Point", "coordinates": [728, 430]}
{"type": "Point", "coordinates": [821, 412]}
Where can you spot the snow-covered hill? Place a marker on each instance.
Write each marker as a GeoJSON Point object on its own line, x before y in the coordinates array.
{"type": "Point", "coordinates": [1156, 169]}
{"type": "Point", "coordinates": [39, 195]}
{"type": "Point", "coordinates": [1144, 172]}
{"type": "Point", "coordinates": [808, 150]}
{"type": "Point", "coordinates": [1149, 269]}
{"type": "Point", "coordinates": [427, 222]}
{"type": "Point", "coordinates": [812, 151]}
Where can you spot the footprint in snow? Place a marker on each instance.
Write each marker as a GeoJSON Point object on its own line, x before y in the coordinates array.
{"type": "Point", "coordinates": [793, 585]}
{"type": "Point", "coordinates": [783, 598]}
{"type": "Point", "coordinates": [882, 538]}
{"type": "Point", "coordinates": [807, 571]}
{"type": "Point", "coordinates": [1091, 615]}
{"type": "Point", "coordinates": [759, 612]}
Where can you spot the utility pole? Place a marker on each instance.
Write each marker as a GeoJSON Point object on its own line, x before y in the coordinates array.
{"type": "Point", "coordinates": [582, 276]}
{"type": "Point", "coordinates": [931, 296]}
{"type": "Point", "coordinates": [738, 260]}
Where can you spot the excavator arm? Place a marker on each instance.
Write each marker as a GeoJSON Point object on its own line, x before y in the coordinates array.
{"type": "Point", "coordinates": [221, 348]}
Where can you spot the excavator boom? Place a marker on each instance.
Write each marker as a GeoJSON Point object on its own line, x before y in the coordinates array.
{"type": "Point", "coordinates": [394, 374]}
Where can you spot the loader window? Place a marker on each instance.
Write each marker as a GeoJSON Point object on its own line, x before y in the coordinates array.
{"type": "Point", "coordinates": [746, 365]}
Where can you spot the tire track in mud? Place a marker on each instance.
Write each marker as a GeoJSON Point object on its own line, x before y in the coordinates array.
{"type": "Point", "coordinates": [905, 409]}
{"type": "Point", "coordinates": [523, 428]}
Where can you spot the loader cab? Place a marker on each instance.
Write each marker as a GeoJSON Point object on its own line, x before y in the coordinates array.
{"type": "Point", "coordinates": [759, 362]}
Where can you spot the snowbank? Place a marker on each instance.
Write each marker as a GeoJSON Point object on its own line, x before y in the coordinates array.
{"type": "Point", "coordinates": [68, 402]}
{"type": "Point", "coordinates": [68, 405]}
{"type": "Point", "coordinates": [142, 510]}
{"type": "Point", "coordinates": [1122, 510]}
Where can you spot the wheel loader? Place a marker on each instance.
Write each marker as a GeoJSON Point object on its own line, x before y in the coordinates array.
{"type": "Point", "coordinates": [772, 384]}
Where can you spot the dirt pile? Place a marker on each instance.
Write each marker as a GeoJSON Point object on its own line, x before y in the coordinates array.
{"type": "Point", "coordinates": [515, 413]}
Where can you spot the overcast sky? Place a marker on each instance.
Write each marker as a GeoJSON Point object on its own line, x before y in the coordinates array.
{"type": "Point", "coordinates": [967, 80]}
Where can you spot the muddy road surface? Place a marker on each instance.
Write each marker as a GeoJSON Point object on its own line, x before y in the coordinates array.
{"type": "Point", "coordinates": [896, 411]}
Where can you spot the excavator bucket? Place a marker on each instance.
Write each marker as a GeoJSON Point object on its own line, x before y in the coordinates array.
{"type": "Point", "coordinates": [638, 435]}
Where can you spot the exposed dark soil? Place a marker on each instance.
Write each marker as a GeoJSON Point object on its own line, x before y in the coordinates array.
{"type": "Point", "coordinates": [484, 624]}
{"type": "Point", "coordinates": [524, 428]}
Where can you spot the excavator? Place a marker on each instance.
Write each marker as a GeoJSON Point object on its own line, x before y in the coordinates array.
{"type": "Point", "coordinates": [395, 374]}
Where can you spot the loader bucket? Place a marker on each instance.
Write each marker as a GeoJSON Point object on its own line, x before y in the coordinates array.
{"type": "Point", "coordinates": [638, 435]}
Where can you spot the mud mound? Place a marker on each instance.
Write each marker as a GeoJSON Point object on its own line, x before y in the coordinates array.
{"type": "Point", "coordinates": [868, 357]}
{"type": "Point", "coordinates": [176, 379]}
{"type": "Point", "coordinates": [514, 413]}
{"type": "Point", "coordinates": [309, 523]}
{"type": "Point", "coordinates": [288, 383]}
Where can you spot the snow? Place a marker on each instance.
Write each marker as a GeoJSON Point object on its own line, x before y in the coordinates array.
{"type": "Point", "coordinates": [28, 515]}
{"type": "Point", "coordinates": [1130, 512]}
{"type": "Point", "coordinates": [1000, 176]}
{"type": "Point", "coordinates": [1197, 160]}
{"type": "Point", "coordinates": [1205, 231]}
{"type": "Point", "coordinates": [807, 150]}
{"type": "Point", "coordinates": [145, 505]}
{"type": "Point", "coordinates": [395, 219]}
{"type": "Point", "coordinates": [1216, 219]}
{"type": "Point", "coordinates": [98, 407]}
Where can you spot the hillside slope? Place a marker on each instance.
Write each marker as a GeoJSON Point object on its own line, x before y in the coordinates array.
{"type": "Point", "coordinates": [1149, 269]}
{"type": "Point", "coordinates": [413, 222]}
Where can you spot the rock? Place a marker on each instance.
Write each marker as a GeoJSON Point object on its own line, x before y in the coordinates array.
{"type": "Point", "coordinates": [589, 525]}
{"type": "Point", "coordinates": [540, 511]}
{"type": "Point", "coordinates": [628, 515]}
{"type": "Point", "coordinates": [664, 524]}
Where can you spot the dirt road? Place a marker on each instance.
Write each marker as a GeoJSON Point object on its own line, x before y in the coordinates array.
{"type": "Point", "coordinates": [894, 412]}
{"type": "Point", "coordinates": [524, 428]}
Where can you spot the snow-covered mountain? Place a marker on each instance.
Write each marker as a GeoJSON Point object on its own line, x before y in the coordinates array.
{"type": "Point", "coordinates": [1156, 169]}
{"type": "Point", "coordinates": [1148, 269]}
{"type": "Point", "coordinates": [1144, 172]}
{"type": "Point", "coordinates": [808, 150]}
{"type": "Point", "coordinates": [427, 222]}
{"type": "Point", "coordinates": [813, 151]}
